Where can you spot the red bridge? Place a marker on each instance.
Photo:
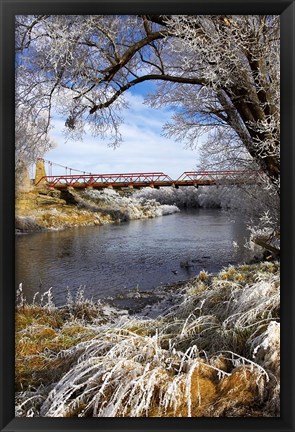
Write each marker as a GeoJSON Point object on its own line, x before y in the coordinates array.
{"type": "Point", "coordinates": [152, 179]}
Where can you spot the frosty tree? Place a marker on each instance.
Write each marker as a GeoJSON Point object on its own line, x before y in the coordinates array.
{"type": "Point", "coordinates": [32, 124]}
{"type": "Point", "coordinates": [221, 73]}
{"type": "Point", "coordinates": [31, 140]}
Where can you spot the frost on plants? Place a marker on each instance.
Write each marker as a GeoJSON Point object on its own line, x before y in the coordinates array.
{"type": "Point", "coordinates": [214, 354]}
{"type": "Point", "coordinates": [125, 207]}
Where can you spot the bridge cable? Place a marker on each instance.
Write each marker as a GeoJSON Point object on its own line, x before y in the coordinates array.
{"type": "Point", "coordinates": [50, 164]}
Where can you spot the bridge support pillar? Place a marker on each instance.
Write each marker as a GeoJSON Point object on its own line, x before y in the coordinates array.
{"type": "Point", "coordinates": [40, 172]}
{"type": "Point", "coordinates": [110, 187]}
{"type": "Point", "coordinates": [130, 187]}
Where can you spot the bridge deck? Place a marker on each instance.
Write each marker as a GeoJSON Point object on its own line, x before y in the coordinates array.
{"type": "Point", "coordinates": [155, 179]}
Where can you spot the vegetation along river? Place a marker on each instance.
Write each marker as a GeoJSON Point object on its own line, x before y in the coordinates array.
{"type": "Point", "coordinates": [110, 260]}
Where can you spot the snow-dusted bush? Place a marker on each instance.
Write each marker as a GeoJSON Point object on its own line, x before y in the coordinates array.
{"type": "Point", "coordinates": [266, 233]}
{"type": "Point", "coordinates": [182, 197]}
{"type": "Point", "coordinates": [129, 207]}
{"type": "Point", "coordinates": [250, 200]}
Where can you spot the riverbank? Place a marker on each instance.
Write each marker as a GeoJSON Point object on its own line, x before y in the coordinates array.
{"type": "Point", "coordinates": [213, 353]}
{"type": "Point", "coordinates": [41, 210]}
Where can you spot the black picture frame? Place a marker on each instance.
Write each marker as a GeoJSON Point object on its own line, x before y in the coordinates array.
{"type": "Point", "coordinates": [286, 10]}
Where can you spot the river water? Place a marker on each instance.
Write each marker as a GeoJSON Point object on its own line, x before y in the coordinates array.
{"type": "Point", "coordinates": [143, 254]}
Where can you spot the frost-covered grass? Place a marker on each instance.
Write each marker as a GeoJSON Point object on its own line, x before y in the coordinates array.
{"type": "Point", "coordinates": [215, 353]}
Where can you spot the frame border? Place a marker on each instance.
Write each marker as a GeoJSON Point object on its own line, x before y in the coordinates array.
{"type": "Point", "coordinates": [8, 9]}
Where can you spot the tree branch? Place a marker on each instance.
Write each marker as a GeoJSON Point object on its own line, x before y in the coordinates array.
{"type": "Point", "coordinates": [142, 79]}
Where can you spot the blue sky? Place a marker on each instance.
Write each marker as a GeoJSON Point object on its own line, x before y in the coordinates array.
{"type": "Point", "coordinates": [144, 149]}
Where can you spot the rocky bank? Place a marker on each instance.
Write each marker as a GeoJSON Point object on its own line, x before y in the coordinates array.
{"type": "Point", "coordinates": [52, 209]}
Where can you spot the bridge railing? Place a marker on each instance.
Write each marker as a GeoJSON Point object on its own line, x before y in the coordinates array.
{"type": "Point", "coordinates": [77, 180]}
{"type": "Point", "coordinates": [218, 176]}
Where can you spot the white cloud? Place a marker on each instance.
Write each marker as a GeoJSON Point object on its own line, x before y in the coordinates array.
{"type": "Point", "coordinates": [143, 148]}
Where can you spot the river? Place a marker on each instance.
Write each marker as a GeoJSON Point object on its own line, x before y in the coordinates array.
{"type": "Point", "coordinates": [144, 254]}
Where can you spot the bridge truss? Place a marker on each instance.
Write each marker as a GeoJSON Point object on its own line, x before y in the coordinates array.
{"type": "Point", "coordinates": [151, 179]}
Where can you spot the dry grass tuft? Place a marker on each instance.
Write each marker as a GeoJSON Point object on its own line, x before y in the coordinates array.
{"type": "Point", "coordinates": [214, 354]}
